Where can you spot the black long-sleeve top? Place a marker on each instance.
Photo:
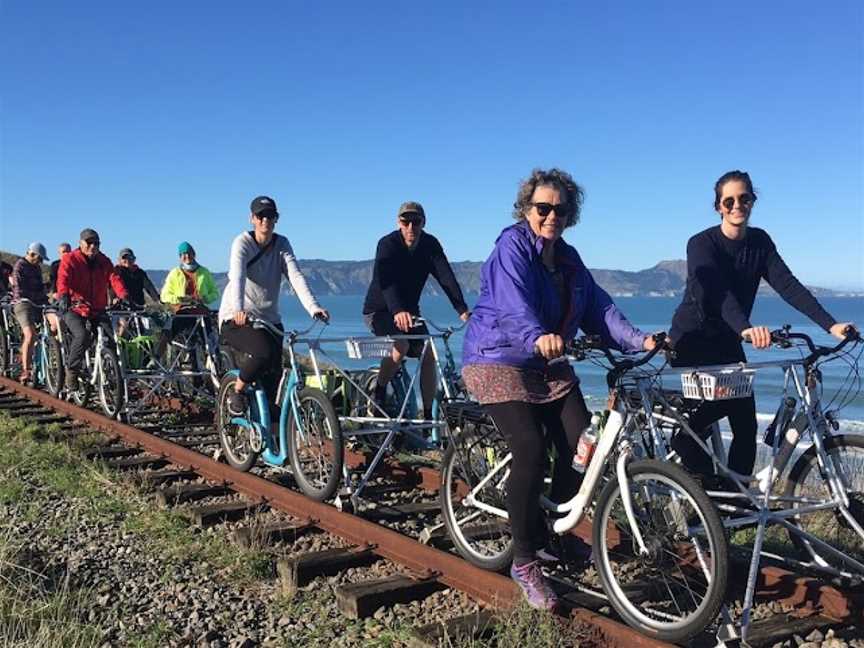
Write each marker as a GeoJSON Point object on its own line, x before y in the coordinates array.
{"type": "Point", "coordinates": [723, 276]}
{"type": "Point", "coordinates": [400, 273]}
{"type": "Point", "coordinates": [137, 283]}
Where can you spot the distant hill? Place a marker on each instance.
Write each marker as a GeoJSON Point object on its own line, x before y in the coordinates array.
{"type": "Point", "coordinates": [666, 279]}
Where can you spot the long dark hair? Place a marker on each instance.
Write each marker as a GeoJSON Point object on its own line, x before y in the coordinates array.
{"type": "Point", "coordinates": [571, 193]}
{"type": "Point", "coordinates": [729, 176]}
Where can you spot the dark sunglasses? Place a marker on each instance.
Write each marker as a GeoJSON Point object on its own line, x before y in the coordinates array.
{"type": "Point", "coordinates": [271, 215]}
{"type": "Point", "coordinates": [544, 209]}
{"type": "Point", "coordinates": [127, 257]}
{"type": "Point", "coordinates": [411, 220]}
{"type": "Point", "coordinates": [92, 241]}
{"type": "Point", "coordinates": [745, 199]}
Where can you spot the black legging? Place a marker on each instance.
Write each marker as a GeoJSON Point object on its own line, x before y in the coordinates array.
{"type": "Point", "coordinates": [523, 424]}
{"type": "Point", "coordinates": [259, 354]}
{"type": "Point", "coordinates": [741, 412]}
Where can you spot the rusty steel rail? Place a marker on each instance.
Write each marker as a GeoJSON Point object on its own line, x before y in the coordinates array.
{"type": "Point", "coordinates": [490, 588]}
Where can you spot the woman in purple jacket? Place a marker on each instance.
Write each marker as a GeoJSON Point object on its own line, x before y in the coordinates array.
{"type": "Point", "coordinates": [535, 294]}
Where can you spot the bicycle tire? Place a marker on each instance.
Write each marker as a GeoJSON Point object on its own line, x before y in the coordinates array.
{"type": "Point", "coordinates": [828, 523]}
{"type": "Point", "coordinates": [5, 360]}
{"type": "Point", "coordinates": [671, 564]}
{"type": "Point", "coordinates": [233, 438]}
{"type": "Point", "coordinates": [53, 365]}
{"type": "Point", "coordinates": [487, 544]}
{"type": "Point", "coordinates": [321, 449]}
{"type": "Point", "coordinates": [110, 383]}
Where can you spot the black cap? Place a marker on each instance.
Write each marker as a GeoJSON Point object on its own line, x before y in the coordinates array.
{"type": "Point", "coordinates": [263, 204]}
{"type": "Point", "coordinates": [88, 233]}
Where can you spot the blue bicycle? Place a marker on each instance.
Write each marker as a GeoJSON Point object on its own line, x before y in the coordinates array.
{"type": "Point", "coordinates": [308, 435]}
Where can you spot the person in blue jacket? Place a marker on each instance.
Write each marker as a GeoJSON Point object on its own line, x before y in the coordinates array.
{"type": "Point", "coordinates": [535, 295]}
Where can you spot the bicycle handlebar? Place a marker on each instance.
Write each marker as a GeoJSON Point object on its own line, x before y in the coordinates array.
{"type": "Point", "coordinates": [577, 350]}
{"type": "Point", "coordinates": [257, 322]}
{"type": "Point", "coordinates": [783, 337]}
{"type": "Point", "coordinates": [445, 330]}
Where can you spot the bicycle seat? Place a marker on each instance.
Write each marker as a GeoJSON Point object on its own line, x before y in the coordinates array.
{"type": "Point", "coordinates": [459, 411]}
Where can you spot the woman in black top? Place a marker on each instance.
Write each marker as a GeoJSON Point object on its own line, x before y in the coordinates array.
{"type": "Point", "coordinates": [725, 264]}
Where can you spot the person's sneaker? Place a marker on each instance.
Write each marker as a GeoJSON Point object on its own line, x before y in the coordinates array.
{"type": "Point", "coordinates": [537, 591]}
{"type": "Point", "coordinates": [237, 403]}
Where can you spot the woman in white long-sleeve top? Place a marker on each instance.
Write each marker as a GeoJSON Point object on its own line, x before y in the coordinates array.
{"type": "Point", "coordinates": [259, 260]}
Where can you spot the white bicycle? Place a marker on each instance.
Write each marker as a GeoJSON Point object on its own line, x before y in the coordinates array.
{"type": "Point", "coordinates": [658, 544]}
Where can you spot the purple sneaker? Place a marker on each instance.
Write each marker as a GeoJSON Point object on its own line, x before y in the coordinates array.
{"type": "Point", "coordinates": [537, 591]}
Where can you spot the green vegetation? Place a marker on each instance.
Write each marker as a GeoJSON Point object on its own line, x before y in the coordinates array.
{"type": "Point", "coordinates": [37, 611]}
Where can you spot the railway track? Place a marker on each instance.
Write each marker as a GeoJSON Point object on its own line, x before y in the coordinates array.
{"type": "Point", "coordinates": [176, 461]}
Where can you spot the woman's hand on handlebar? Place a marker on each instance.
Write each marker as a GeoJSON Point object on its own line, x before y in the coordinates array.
{"type": "Point", "coordinates": [842, 330]}
{"type": "Point", "coordinates": [759, 336]}
{"type": "Point", "coordinates": [240, 318]}
{"type": "Point", "coordinates": [550, 346]}
{"type": "Point", "coordinates": [651, 341]}
{"type": "Point", "coordinates": [321, 314]}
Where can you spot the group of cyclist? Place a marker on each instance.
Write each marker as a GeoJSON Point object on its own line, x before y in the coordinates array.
{"type": "Point", "coordinates": [535, 295]}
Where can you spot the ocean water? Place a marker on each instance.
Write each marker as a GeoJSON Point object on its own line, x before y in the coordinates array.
{"type": "Point", "coordinates": [650, 314]}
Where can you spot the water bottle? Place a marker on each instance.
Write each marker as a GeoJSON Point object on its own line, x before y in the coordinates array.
{"type": "Point", "coordinates": [585, 450]}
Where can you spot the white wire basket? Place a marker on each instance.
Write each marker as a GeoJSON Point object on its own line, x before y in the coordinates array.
{"type": "Point", "coordinates": [359, 349]}
{"type": "Point", "coordinates": [724, 384]}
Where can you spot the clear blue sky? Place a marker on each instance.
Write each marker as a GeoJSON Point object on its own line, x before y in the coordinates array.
{"type": "Point", "coordinates": [156, 122]}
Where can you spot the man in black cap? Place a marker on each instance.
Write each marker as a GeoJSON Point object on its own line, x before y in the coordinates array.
{"type": "Point", "coordinates": [404, 260]}
{"type": "Point", "coordinates": [134, 278]}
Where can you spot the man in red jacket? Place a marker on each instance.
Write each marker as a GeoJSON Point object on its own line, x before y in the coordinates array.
{"type": "Point", "coordinates": [82, 292]}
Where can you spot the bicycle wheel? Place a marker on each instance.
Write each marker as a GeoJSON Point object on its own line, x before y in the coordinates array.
{"type": "Point", "coordinates": [110, 383]}
{"type": "Point", "coordinates": [234, 438]}
{"type": "Point", "coordinates": [52, 365]}
{"type": "Point", "coordinates": [315, 445]}
{"type": "Point", "coordinates": [676, 590]}
{"type": "Point", "coordinates": [483, 538]}
{"type": "Point", "coordinates": [807, 479]}
{"type": "Point", "coordinates": [5, 360]}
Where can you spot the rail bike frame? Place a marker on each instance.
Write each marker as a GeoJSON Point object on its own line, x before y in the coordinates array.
{"type": "Point", "coordinates": [762, 502]}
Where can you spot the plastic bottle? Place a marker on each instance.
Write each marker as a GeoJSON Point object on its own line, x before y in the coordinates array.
{"type": "Point", "coordinates": [585, 450]}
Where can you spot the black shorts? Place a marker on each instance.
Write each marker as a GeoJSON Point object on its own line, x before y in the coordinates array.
{"type": "Point", "coordinates": [381, 324]}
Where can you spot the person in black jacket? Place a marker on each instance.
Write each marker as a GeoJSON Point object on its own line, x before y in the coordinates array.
{"type": "Point", "coordinates": [63, 248]}
{"type": "Point", "coordinates": [135, 279]}
{"type": "Point", "coordinates": [725, 264]}
{"type": "Point", "coordinates": [404, 260]}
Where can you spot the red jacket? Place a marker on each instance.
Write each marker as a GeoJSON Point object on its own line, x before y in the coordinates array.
{"type": "Point", "coordinates": [87, 281]}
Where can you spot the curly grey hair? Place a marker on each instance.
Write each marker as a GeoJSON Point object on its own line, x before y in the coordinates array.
{"type": "Point", "coordinates": [571, 193]}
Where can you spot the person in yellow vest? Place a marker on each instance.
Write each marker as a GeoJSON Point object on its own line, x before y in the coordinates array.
{"type": "Point", "coordinates": [189, 289]}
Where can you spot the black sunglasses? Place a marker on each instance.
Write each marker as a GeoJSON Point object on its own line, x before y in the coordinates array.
{"type": "Point", "coordinates": [544, 209]}
{"type": "Point", "coordinates": [271, 215]}
{"type": "Point", "coordinates": [411, 220]}
{"type": "Point", "coordinates": [92, 241]}
{"type": "Point", "coordinates": [745, 199]}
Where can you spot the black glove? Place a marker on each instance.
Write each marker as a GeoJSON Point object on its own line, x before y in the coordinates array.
{"type": "Point", "coordinates": [63, 302]}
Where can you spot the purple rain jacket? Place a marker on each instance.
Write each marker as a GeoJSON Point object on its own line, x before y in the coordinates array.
{"type": "Point", "coordinates": [519, 302]}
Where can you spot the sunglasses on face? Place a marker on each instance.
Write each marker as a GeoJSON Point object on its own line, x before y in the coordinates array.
{"type": "Point", "coordinates": [745, 200]}
{"type": "Point", "coordinates": [92, 241]}
{"type": "Point", "coordinates": [417, 221]}
{"type": "Point", "coordinates": [271, 216]}
{"type": "Point", "coordinates": [128, 258]}
{"type": "Point", "coordinates": [544, 209]}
